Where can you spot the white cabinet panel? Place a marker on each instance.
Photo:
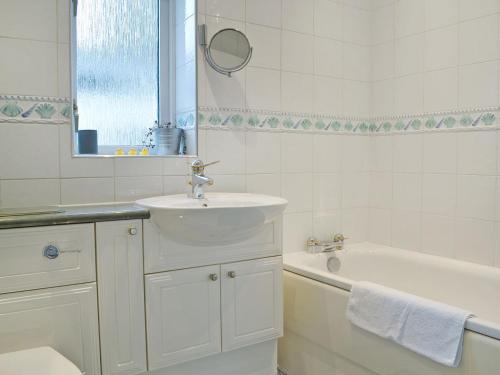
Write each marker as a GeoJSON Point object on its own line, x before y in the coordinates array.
{"type": "Point", "coordinates": [252, 302]}
{"type": "Point", "coordinates": [163, 254]}
{"type": "Point", "coordinates": [63, 318]}
{"type": "Point", "coordinates": [24, 265]}
{"type": "Point", "coordinates": [183, 315]}
{"type": "Point", "coordinates": [120, 279]}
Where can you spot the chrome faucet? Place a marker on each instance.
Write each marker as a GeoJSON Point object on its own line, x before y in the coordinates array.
{"type": "Point", "coordinates": [198, 178]}
{"type": "Point", "coordinates": [316, 246]}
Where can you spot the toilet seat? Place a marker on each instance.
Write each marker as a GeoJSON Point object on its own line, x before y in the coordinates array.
{"type": "Point", "coordinates": [39, 361]}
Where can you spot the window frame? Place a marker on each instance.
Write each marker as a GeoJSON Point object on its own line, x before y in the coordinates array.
{"type": "Point", "coordinates": [166, 78]}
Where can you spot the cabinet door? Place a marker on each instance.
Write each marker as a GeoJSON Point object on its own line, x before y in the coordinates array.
{"type": "Point", "coordinates": [183, 315]}
{"type": "Point", "coordinates": [120, 280]}
{"type": "Point", "coordinates": [252, 302]}
{"type": "Point", "coordinates": [63, 318]}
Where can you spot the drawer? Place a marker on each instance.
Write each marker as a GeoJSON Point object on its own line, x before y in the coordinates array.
{"type": "Point", "coordinates": [24, 265]}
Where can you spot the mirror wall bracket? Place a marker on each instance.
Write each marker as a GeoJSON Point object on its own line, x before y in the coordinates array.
{"type": "Point", "coordinates": [202, 32]}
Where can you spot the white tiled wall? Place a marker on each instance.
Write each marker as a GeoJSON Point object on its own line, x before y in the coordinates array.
{"type": "Point", "coordinates": [435, 55]}
{"type": "Point", "coordinates": [323, 177]}
{"type": "Point", "coordinates": [438, 193]}
{"type": "Point", "coordinates": [310, 56]}
{"type": "Point", "coordinates": [32, 43]}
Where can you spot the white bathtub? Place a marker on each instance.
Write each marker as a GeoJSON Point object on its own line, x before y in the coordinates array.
{"type": "Point", "coordinates": [319, 340]}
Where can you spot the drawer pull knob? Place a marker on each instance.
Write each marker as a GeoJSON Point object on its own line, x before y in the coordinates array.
{"type": "Point", "coordinates": [51, 252]}
{"type": "Point", "coordinates": [231, 274]}
{"type": "Point", "coordinates": [132, 231]}
{"type": "Point", "coordinates": [213, 277]}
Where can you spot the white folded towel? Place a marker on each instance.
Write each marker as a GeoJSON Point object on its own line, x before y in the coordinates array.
{"type": "Point", "coordinates": [430, 328]}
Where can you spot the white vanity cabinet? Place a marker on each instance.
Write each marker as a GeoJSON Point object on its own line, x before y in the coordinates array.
{"type": "Point", "coordinates": [196, 312]}
{"type": "Point", "coordinates": [120, 280]}
{"type": "Point", "coordinates": [119, 298]}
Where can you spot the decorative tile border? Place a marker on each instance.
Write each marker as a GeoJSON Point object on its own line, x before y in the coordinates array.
{"type": "Point", "coordinates": [217, 118]}
{"type": "Point", "coordinates": [449, 121]}
{"type": "Point", "coordinates": [50, 110]}
{"type": "Point", "coordinates": [34, 109]}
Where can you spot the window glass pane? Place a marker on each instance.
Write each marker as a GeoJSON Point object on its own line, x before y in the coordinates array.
{"type": "Point", "coordinates": [117, 68]}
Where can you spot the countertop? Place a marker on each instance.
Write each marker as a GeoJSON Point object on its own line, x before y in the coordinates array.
{"type": "Point", "coordinates": [71, 215]}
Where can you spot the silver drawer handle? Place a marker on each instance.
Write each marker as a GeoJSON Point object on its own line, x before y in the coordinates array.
{"type": "Point", "coordinates": [231, 274]}
{"type": "Point", "coordinates": [52, 251]}
{"type": "Point", "coordinates": [213, 277]}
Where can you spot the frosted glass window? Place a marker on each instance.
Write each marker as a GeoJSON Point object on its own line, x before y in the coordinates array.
{"type": "Point", "coordinates": [117, 68]}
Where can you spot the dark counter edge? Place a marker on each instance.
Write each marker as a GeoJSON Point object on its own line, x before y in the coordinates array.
{"type": "Point", "coordinates": [77, 215]}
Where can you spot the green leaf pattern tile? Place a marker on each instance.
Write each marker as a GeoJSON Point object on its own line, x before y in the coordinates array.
{"type": "Point", "coordinates": [320, 125]}
{"type": "Point", "coordinates": [450, 122]}
{"type": "Point", "coordinates": [45, 110]}
{"type": "Point", "coordinates": [11, 109]}
{"type": "Point", "coordinates": [430, 123]}
{"type": "Point", "coordinates": [416, 124]}
{"type": "Point", "coordinates": [273, 122]}
{"type": "Point", "coordinates": [488, 119]}
{"type": "Point", "coordinates": [215, 119]}
{"type": "Point", "coordinates": [253, 121]}
{"type": "Point", "coordinates": [466, 121]}
{"type": "Point", "coordinates": [336, 125]}
{"type": "Point", "coordinates": [288, 123]}
{"type": "Point", "coordinates": [399, 125]}
{"type": "Point", "coordinates": [237, 120]}
{"type": "Point", "coordinates": [66, 111]}
{"type": "Point", "coordinates": [306, 124]}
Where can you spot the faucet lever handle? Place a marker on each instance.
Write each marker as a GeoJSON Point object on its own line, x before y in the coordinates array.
{"type": "Point", "coordinates": [211, 163]}
{"type": "Point", "coordinates": [339, 237]}
{"type": "Point", "coordinates": [199, 167]}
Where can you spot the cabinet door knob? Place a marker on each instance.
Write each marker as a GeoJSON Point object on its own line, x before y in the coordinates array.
{"type": "Point", "coordinates": [51, 252]}
{"type": "Point", "coordinates": [213, 277]}
{"type": "Point", "coordinates": [132, 231]}
{"type": "Point", "coordinates": [231, 274]}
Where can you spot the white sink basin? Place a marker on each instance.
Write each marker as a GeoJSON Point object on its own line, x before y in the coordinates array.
{"type": "Point", "coordinates": [219, 219]}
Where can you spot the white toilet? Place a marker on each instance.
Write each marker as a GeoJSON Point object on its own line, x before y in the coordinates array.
{"type": "Point", "coordinates": [40, 361]}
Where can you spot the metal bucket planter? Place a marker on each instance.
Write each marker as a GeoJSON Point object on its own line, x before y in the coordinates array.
{"type": "Point", "coordinates": [167, 140]}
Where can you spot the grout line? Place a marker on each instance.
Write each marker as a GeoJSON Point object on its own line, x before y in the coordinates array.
{"type": "Point", "coordinates": [30, 39]}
